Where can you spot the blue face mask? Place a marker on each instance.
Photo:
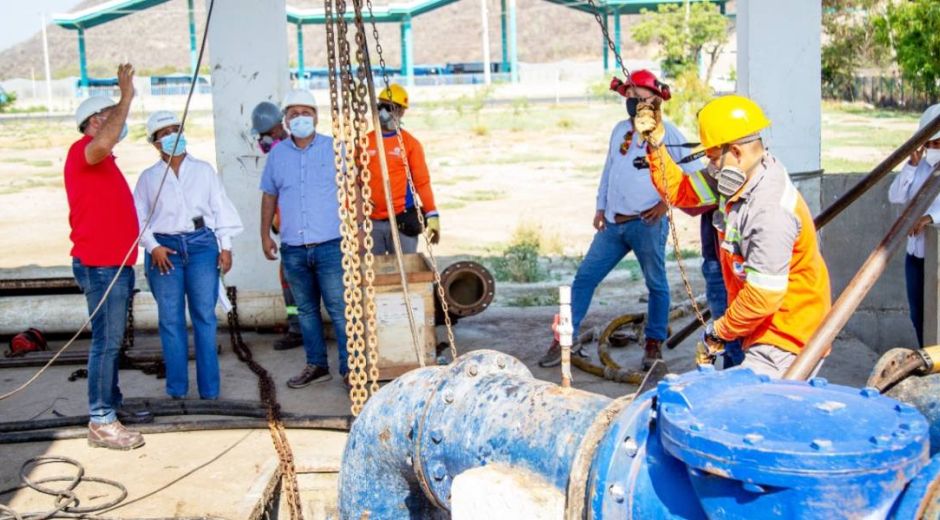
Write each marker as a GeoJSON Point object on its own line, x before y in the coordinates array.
{"type": "Point", "coordinates": [302, 126]}
{"type": "Point", "coordinates": [167, 142]}
{"type": "Point", "coordinates": [123, 133]}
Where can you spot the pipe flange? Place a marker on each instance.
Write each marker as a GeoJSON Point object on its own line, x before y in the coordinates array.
{"type": "Point", "coordinates": [433, 476]}
{"type": "Point", "coordinates": [472, 300]}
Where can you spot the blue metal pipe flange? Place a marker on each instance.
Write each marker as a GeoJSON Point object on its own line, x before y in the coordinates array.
{"type": "Point", "coordinates": [633, 477]}
{"type": "Point", "coordinates": [921, 498]}
{"type": "Point", "coordinates": [481, 415]}
{"type": "Point", "coordinates": [759, 448]}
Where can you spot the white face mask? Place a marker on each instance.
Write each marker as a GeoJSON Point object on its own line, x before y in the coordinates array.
{"type": "Point", "coordinates": [932, 156]}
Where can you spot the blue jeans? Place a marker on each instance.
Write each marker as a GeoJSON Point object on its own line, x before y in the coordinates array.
{"type": "Point", "coordinates": [648, 243]}
{"type": "Point", "coordinates": [313, 273]}
{"type": "Point", "coordinates": [107, 331]}
{"type": "Point", "coordinates": [194, 280]}
{"type": "Point", "coordinates": [715, 291]}
{"type": "Point", "coordinates": [914, 275]}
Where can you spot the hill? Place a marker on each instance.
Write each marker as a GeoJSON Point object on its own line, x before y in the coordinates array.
{"type": "Point", "coordinates": [156, 40]}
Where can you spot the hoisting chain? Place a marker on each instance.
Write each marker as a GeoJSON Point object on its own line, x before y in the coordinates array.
{"type": "Point", "coordinates": [672, 222]}
{"type": "Point", "coordinates": [348, 200]}
{"type": "Point", "coordinates": [417, 198]}
{"type": "Point", "coordinates": [362, 149]}
{"type": "Point", "coordinates": [268, 395]}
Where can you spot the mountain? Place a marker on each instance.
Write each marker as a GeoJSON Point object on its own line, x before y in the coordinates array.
{"type": "Point", "coordinates": [156, 40]}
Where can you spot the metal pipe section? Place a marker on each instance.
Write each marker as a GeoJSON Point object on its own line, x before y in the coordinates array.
{"type": "Point", "coordinates": [833, 210]}
{"type": "Point", "coordinates": [705, 444]}
{"type": "Point", "coordinates": [468, 287]}
{"type": "Point", "coordinates": [819, 344]}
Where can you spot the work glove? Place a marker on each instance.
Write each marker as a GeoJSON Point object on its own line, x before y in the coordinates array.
{"type": "Point", "coordinates": [649, 122]}
{"type": "Point", "coordinates": [710, 347]}
{"type": "Point", "coordinates": [433, 229]}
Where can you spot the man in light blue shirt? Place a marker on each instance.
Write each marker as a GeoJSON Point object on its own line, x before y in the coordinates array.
{"type": "Point", "coordinates": [629, 217]}
{"type": "Point", "coordinates": [299, 179]}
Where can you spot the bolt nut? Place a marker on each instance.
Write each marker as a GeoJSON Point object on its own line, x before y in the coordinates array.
{"type": "Point", "coordinates": [472, 370]}
{"type": "Point", "coordinates": [708, 368]}
{"type": "Point", "coordinates": [630, 446]}
{"type": "Point", "coordinates": [439, 472]}
{"type": "Point", "coordinates": [448, 396]}
{"type": "Point", "coordinates": [501, 361]}
{"type": "Point", "coordinates": [437, 436]}
{"type": "Point", "coordinates": [821, 444]}
{"type": "Point", "coordinates": [617, 493]}
{"type": "Point", "coordinates": [753, 438]}
{"type": "Point", "coordinates": [870, 392]}
{"type": "Point", "coordinates": [818, 382]}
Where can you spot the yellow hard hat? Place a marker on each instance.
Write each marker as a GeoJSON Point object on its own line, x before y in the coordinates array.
{"type": "Point", "coordinates": [396, 94]}
{"type": "Point", "coordinates": [729, 118]}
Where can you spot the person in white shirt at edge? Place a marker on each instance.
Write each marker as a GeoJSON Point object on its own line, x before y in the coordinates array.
{"type": "Point", "coordinates": [913, 175]}
{"type": "Point", "coordinates": [188, 243]}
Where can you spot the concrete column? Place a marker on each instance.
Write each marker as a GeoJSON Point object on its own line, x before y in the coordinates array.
{"type": "Point", "coordinates": [407, 52]}
{"type": "Point", "coordinates": [246, 71]}
{"type": "Point", "coordinates": [932, 286]}
{"type": "Point", "coordinates": [82, 62]}
{"type": "Point", "coordinates": [779, 67]}
{"type": "Point", "coordinates": [193, 52]}
{"type": "Point", "coordinates": [300, 56]}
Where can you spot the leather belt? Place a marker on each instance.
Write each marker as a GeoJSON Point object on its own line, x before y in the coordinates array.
{"type": "Point", "coordinates": [620, 219]}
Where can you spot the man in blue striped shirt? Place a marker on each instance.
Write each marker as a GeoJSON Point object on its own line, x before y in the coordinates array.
{"type": "Point", "coordinates": [299, 179]}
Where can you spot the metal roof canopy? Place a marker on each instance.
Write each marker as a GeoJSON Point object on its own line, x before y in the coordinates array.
{"type": "Point", "coordinates": [627, 6]}
{"type": "Point", "coordinates": [391, 13]}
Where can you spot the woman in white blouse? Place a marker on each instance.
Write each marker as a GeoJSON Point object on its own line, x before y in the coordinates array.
{"type": "Point", "coordinates": [913, 175]}
{"type": "Point", "coordinates": [188, 243]}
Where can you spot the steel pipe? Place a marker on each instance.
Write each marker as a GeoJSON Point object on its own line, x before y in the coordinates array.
{"type": "Point", "coordinates": [469, 289]}
{"type": "Point", "coordinates": [821, 340]}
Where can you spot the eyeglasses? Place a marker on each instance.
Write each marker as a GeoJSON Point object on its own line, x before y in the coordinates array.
{"type": "Point", "coordinates": [388, 107]}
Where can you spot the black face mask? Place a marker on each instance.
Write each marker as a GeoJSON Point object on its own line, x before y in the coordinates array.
{"type": "Point", "coordinates": [632, 103]}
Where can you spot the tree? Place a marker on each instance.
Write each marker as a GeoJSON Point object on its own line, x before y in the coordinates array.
{"type": "Point", "coordinates": [6, 99]}
{"type": "Point", "coordinates": [684, 33]}
{"type": "Point", "coordinates": [849, 44]}
{"type": "Point", "coordinates": [912, 29]}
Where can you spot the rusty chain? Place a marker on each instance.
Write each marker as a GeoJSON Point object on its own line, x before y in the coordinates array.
{"type": "Point", "coordinates": [417, 198]}
{"type": "Point", "coordinates": [610, 41]}
{"type": "Point", "coordinates": [268, 395]}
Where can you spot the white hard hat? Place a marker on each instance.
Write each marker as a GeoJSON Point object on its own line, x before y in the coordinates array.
{"type": "Point", "coordinates": [160, 120]}
{"type": "Point", "coordinates": [299, 97]}
{"type": "Point", "coordinates": [90, 107]}
{"type": "Point", "coordinates": [929, 115]}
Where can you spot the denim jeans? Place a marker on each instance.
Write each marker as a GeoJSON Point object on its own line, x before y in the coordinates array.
{"type": "Point", "coordinates": [715, 291]}
{"type": "Point", "coordinates": [313, 273]}
{"type": "Point", "coordinates": [914, 275]}
{"type": "Point", "coordinates": [193, 282]}
{"type": "Point", "coordinates": [648, 243]}
{"type": "Point", "coordinates": [107, 330]}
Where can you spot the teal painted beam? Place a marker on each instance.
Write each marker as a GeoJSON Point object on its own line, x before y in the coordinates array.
{"type": "Point", "coordinates": [604, 41]}
{"type": "Point", "coordinates": [300, 55]}
{"type": "Point", "coordinates": [503, 36]}
{"type": "Point", "coordinates": [617, 36]}
{"type": "Point", "coordinates": [82, 62]}
{"type": "Point", "coordinates": [513, 43]}
{"type": "Point", "coordinates": [407, 53]}
{"type": "Point", "coordinates": [192, 37]}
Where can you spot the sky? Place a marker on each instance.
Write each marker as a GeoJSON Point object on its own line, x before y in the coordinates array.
{"type": "Point", "coordinates": [21, 19]}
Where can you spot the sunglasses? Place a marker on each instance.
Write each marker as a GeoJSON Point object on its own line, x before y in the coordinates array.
{"type": "Point", "coordinates": [386, 106]}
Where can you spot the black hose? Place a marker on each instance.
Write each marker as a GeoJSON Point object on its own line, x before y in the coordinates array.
{"type": "Point", "coordinates": [300, 422]}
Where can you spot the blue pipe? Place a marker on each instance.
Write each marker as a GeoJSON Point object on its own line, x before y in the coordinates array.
{"type": "Point", "coordinates": [705, 444]}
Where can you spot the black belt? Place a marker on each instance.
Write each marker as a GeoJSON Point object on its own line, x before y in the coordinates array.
{"type": "Point", "coordinates": [620, 219]}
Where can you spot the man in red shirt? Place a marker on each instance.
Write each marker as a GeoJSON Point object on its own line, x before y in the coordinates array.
{"type": "Point", "coordinates": [104, 234]}
{"type": "Point", "coordinates": [393, 101]}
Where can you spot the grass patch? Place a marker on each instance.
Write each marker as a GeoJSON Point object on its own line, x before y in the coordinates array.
{"type": "Point", "coordinates": [13, 160]}
{"type": "Point", "coordinates": [40, 164]}
{"type": "Point", "coordinates": [842, 165]}
{"type": "Point", "coordinates": [683, 254]}
{"type": "Point", "coordinates": [535, 299]}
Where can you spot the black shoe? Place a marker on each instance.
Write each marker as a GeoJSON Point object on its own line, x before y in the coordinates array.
{"type": "Point", "coordinates": [289, 341]}
{"type": "Point", "coordinates": [310, 374]}
{"type": "Point", "coordinates": [551, 358]}
{"type": "Point", "coordinates": [134, 415]}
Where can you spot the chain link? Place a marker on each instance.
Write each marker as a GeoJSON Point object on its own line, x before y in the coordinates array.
{"type": "Point", "coordinates": [610, 42]}
{"type": "Point", "coordinates": [451, 341]}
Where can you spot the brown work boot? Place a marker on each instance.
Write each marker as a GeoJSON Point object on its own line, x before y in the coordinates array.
{"type": "Point", "coordinates": [552, 357]}
{"type": "Point", "coordinates": [651, 352]}
{"type": "Point", "coordinates": [113, 436]}
{"type": "Point", "coordinates": [310, 374]}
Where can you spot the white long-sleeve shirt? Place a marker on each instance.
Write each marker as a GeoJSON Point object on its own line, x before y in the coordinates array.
{"type": "Point", "coordinates": [903, 189]}
{"type": "Point", "coordinates": [197, 191]}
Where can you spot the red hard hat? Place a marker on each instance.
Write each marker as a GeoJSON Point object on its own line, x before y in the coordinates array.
{"type": "Point", "coordinates": [646, 79]}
